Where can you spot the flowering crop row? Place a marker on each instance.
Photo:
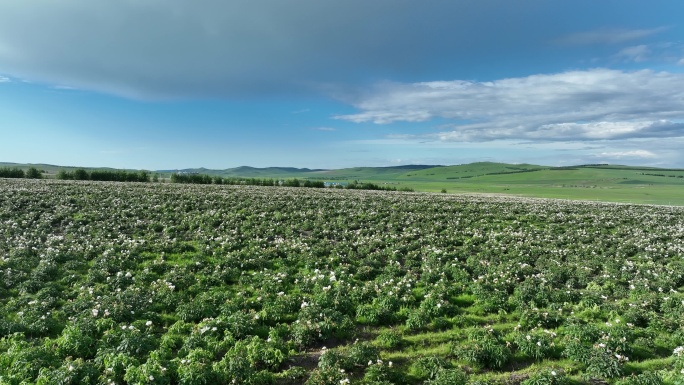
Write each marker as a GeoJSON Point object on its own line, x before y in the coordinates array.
{"type": "Point", "coordinates": [106, 282]}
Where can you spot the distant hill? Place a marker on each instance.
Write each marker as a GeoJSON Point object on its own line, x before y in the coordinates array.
{"type": "Point", "coordinates": [248, 172]}
{"type": "Point", "coordinates": [616, 183]}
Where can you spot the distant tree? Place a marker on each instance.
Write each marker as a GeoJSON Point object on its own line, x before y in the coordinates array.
{"type": "Point", "coordinates": [81, 174]}
{"type": "Point", "coordinates": [11, 173]}
{"type": "Point", "coordinates": [34, 173]}
{"type": "Point", "coordinates": [65, 175]}
{"type": "Point", "coordinates": [292, 183]}
{"type": "Point", "coordinates": [143, 176]}
{"type": "Point", "coordinates": [314, 183]}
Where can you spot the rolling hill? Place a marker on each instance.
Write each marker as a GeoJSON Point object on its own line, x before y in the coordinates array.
{"type": "Point", "coordinates": [603, 182]}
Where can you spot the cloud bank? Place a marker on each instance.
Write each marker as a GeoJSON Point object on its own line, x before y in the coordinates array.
{"type": "Point", "coordinates": [215, 48]}
{"type": "Point", "coordinates": [597, 104]}
{"type": "Point", "coordinates": [156, 49]}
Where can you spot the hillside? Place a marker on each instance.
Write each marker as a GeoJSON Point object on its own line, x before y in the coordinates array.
{"type": "Point", "coordinates": [602, 182]}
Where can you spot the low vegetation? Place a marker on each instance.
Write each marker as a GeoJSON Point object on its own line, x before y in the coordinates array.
{"type": "Point", "coordinates": [161, 283]}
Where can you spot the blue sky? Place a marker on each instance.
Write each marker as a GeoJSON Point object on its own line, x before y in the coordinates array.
{"type": "Point", "coordinates": [164, 84]}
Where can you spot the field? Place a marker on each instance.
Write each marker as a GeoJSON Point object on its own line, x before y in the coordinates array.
{"type": "Point", "coordinates": [599, 183]}
{"type": "Point", "coordinates": [607, 183]}
{"type": "Point", "coordinates": [159, 283]}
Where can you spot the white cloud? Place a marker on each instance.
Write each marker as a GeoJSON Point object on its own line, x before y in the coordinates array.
{"type": "Point", "coordinates": [609, 36]}
{"type": "Point", "coordinates": [595, 104]}
{"type": "Point", "coordinates": [638, 53]}
{"type": "Point", "coordinates": [641, 154]}
{"type": "Point", "coordinates": [4, 79]}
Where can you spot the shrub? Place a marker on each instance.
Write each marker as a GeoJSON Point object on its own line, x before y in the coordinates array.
{"type": "Point", "coordinates": [546, 377]}
{"type": "Point", "coordinates": [153, 371]}
{"type": "Point", "coordinates": [361, 353]}
{"type": "Point", "coordinates": [449, 377]}
{"type": "Point", "coordinates": [196, 369]}
{"type": "Point", "coordinates": [389, 339]}
{"type": "Point", "coordinates": [328, 376]}
{"type": "Point", "coordinates": [115, 366]}
{"type": "Point", "coordinates": [417, 320]}
{"type": "Point", "coordinates": [603, 364]}
{"type": "Point", "coordinates": [577, 351]}
{"type": "Point", "coordinates": [20, 361]}
{"type": "Point", "coordinates": [333, 359]}
{"type": "Point", "coordinates": [33, 173]}
{"type": "Point", "coordinates": [427, 368]}
{"type": "Point", "coordinates": [75, 341]}
{"type": "Point", "coordinates": [536, 344]}
{"type": "Point", "coordinates": [483, 348]}
{"type": "Point", "coordinates": [646, 378]}
{"type": "Point", "coordinates": [74, 372]}
{"type": "Point", "coordinates": [380, 374]}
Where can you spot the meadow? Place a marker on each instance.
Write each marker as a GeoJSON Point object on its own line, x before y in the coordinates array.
{"type": "Point", "coordinates": [599, 182]}
{"type": "Point", "coordinates": [160, 283]}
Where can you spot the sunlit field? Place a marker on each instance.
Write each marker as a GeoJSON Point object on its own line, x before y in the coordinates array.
{"type": "Point", "coordinates": [159, 283]}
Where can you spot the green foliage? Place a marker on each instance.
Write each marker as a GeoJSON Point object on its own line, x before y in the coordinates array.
{"type": "Point", "coordinates": [427, 368]}
{"type": "Point", "coordinates": [115, 366]}
{"type": "Point", "coordinates": [678, 366]}
{"type": "Point", "coordinates": [168, 283]}
{"type": "Point", "coordinates": [389, 339]}
{"type": "Point", "coordinates": [333, 359]}
{"type": "Point", "coordinates": [6, 172]}
{"type": "Point", "coordinates": [379, 373]}
{"type": "Point", "coordinates": [483, 348]}
{"type": "Point", "coordinates": [34, 173]}
{"type": "Point", "coordinates": [536, 343]}
{"type": "Point", "coordinates": [196, 369]}
{"type": "Point", "coordinates": [646, 378]}
{"type": "Point", "coordinates": [20, 361]}
{"type": "Point", "coordinates": [77, 340]}
{"type": "Point", "coordinates": [327, 376]}
{"type": "Point", "coordinates": [74, 372]}
{"type": "Point", "coordinates": [362, 353]}
{"type": "Point", "coordinates": [154, 371]}
{"type": "Point", "coordinates": [604, 364]}
{"type": "Point", "coordinates": [547, 377]}
{"type": "Point", "coordinates": [105, 175]}
{"type": "Point", "coordinates": [449, 377]}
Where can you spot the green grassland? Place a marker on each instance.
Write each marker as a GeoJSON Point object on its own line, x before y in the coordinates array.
{"type": "Point", "coordinates": [610, 183]}
{"type": "Point", "coordinates": [600, 183]}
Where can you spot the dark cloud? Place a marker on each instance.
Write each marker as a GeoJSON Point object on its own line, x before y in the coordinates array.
{"type": "Point", "coordinates": [209, 48]}
{"type": "Point", "coordinates": [238, 48]}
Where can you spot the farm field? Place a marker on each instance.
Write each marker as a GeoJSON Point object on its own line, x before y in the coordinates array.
{"type": "Point", "coordinates": [159, 283]}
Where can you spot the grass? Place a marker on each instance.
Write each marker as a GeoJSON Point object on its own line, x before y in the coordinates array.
{"type": "Point", "coordinates": [607, 183]}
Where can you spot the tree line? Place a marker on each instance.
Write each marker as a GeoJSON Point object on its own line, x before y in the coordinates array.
{"type": "Point", "coordinates": [106, 175]}
{"type": "Point", "coordinates": [146, 176]}
{"type": "Point", "coordinates": [31, 173]}
{"type": "Point", "coordinates": [208, 179]}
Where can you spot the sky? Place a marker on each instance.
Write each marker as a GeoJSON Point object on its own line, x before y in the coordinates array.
{"type": "Point", "coordinates": [173, 84]}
